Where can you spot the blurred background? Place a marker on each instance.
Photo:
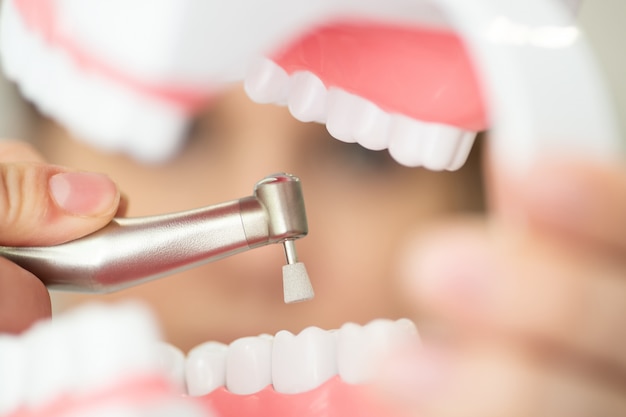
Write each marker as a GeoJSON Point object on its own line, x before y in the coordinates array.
{"type": "Point", "coordinates": [604, 22]}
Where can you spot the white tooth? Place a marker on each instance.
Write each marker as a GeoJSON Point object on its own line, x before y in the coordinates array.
{"type": "Point", "coordinates": [441, 146]}
{"type": "Point", "coordinates": [50, 362]}
{"type": "Point", "coordinates": [407, 138]}
{"type": "Point", "coordinates": [112, 342]}
{"type": "Point", "coordinates": [360, 348]}
{"type": "Point", "coordinates": [463, 151]}
{"type": "Point", "coordinates": [34, 78]}
{"type": "Point", "coordinates": [206, 368]}
{"type": "Point", "coordinates": [408, 326]}
{"type": "Point", "coordinates": [340, 120]}
{"type": "Point", "coordinates": [13, 379]}
{"type": "Point", "coordinates": [432, 145]}
{"type": "Point", "coordinates": [307, 97]}
{"type": "Point", "coordinates": [303, 362]}
{"type": "Point", "coordinates": [249, 365]}
{"type": "Point", "coordinates": [371, 128]}
{"type": "Point", "coordinates": [77, 352]}
{"type": "Point", "coordinates": [172, 364]}
{"type": "Point", "coordinates": [267, 82]}
{"type": "Point", "coordinates": [12, 38]}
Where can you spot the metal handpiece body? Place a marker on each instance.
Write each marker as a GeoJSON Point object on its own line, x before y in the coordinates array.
{"type": "Point", "coordinates": [129, 251]}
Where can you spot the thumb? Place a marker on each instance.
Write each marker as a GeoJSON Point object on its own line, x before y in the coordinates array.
{"type": "Point", "coordinates": [43, 204]}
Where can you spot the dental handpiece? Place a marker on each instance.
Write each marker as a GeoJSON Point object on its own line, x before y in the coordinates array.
{"type": "Point", "coordinates": [131, 251]}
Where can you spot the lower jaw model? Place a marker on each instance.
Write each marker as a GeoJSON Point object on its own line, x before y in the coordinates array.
{"type": "Point", "coordinates": [107, 360]}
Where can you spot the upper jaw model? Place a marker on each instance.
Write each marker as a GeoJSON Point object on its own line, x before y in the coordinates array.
{"type": "Point", "coordinates": [419, 77]}
{"type": "Point", "coordinates": [518, 68]}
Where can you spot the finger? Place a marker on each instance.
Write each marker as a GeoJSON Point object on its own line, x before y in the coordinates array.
{"type": "Point", "coordinates": [18, 151]}
{"type": "Point", "coordinates": [522, 288]}
{"type": "Point", "coordinates": [23, 298]}
{"type": "Point", "coordinates": [122, 207]}
{"type": "Point", "coordinates": [43, 205]}
{"type": "Point", "coordinates": [492, 382]}
{"type": "Point", "coordinates": [584, 202]}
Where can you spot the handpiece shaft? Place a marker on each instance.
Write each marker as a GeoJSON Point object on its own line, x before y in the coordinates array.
{"type": "Point", "coordinates": [131, 251]}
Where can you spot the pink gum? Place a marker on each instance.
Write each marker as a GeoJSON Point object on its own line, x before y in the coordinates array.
{"type": "Point", "coordinates": [422, 73]}
{"type": "Point", "coordinates": [334, 398]}
{"type": "Point", "coordinates": [141, 390]}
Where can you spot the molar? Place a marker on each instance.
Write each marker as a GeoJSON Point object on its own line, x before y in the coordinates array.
{"type": "Point", "coordinates": [303, 362]}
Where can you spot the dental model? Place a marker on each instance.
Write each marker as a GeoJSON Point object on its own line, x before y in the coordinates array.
{"type": "Point", "coordinates": [130, 251]}
{"type": "Point", "coordinates": [519, 68]}
{"type": "Point", "coordinates": [107, 360]}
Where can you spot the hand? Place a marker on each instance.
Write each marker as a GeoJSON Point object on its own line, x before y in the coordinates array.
{"type": "Point", "coordinates": [532, 301]}
{"type": "Point", "coordinates": [42, 204]}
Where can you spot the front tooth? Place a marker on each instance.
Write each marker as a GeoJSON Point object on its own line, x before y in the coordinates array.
{"type": "Point", "coordinates": [307, 97]}
{"type": "Point", "coordinates": [249, 365]}
{"type": "Point", "coordinates": [407, 138]}
{"type": "Point", "coordinates": [339, 114]}
{"type": "Point", "coordinates": [267, 82]}
{"type": "Point", "coordinates": [206, 368]}
{"type": "Point", "coordinates": [435, 146]}
{"type": "Point", "coordinates": [463, 151]}
{"type": "Point", "coordinates": [303, 362]}
{"type": "Point", "coordinates": [360, 348]}
{"type": "Point", "coordinates": [371, 127]}
{"type": "Point", "coordinates": [441, 146]}
{"type": "Point", "coordinates": [171, 361]}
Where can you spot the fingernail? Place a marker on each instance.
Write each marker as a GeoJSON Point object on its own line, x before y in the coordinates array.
{"type": "Point", "coordinates": [83, 193]}
{"type": "Point", "coordinates": [415, 379]}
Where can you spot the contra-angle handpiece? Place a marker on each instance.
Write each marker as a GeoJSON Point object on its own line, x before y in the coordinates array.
{"type": "Point", "coordinates": [130, 251]}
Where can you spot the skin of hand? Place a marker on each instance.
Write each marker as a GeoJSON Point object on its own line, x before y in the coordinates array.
{"type": "Point", "coordinates": [530, 305]}
{"type": "Point", "coordinates": [42, 204]}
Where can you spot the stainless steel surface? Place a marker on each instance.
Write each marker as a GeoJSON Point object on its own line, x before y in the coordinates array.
{"type": "Point", "coordinates": [290, 251]}
{"type": "Point", "coordinates": [130, 251]}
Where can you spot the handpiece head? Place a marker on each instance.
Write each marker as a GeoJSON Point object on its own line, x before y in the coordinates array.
{"type": "Point", "coordinates": [281, 195]}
